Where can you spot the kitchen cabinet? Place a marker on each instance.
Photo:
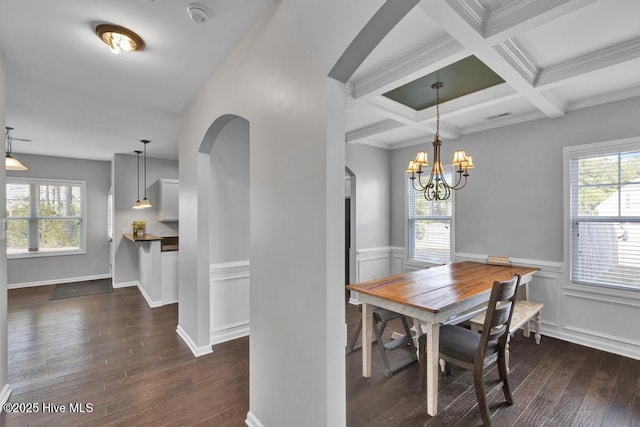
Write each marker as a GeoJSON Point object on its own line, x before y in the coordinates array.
{"type": "Point", "coordinates": [168, 200]}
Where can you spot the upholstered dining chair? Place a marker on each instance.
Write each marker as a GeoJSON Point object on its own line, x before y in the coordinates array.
{"type": "Point", "coordinates": [477, 351]}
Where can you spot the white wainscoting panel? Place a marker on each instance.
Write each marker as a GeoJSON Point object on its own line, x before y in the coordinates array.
{"type": "Point", "coordinates": [229, 303]}
{"type": "Point", "coordinates": [600, 318]}
{"type": "Point", "coordinates": [373, 263]}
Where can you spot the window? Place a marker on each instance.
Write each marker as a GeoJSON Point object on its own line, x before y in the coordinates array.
{"type": "Point", "coordinates": [605, 215]}
{"type": "Point", "coordinates": [430, 233]}
{"type": "Point", "coordinates": [45, 217]}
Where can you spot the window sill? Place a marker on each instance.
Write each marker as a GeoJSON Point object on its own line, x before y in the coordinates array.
{"type": "Point", "coordinates": [46, 254]}
{"type": "Point", "coordinates": [611, 291]}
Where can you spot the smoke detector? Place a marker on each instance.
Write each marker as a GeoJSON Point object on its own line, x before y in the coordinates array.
{"type": "Point", "coordinates": [197, 13]}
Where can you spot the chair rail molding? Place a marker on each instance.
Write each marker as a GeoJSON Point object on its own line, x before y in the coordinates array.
{"type": "Point", "coordinates": [229, 292]}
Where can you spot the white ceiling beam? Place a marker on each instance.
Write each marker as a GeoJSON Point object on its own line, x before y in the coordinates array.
{"type": "Point", "coordinates": [457, 26]}
{"type": "Point", "coordinates": [401, 113]}
{"type": "Point", "coordinates": [594, 61]}
{"type": "Point", "coordinates": [472, 102]}
{"type": "Point", "coordinates": [418, 63]}
{"type": "Point", "coordinates": [519, 16]}
{"type": "Point", "coordinates": [372, 130]}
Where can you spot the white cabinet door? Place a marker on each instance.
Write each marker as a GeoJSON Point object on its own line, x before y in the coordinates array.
{"type": "Point", "coordinates": [169, 199]}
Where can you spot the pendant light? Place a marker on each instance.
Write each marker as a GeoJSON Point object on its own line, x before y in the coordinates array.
{"type": "Point", "coordinates": [145, 202]}
{"type": "Point", "coordinates": [10, 162]}
{"type": "Point", "coordinates": [138, 204]}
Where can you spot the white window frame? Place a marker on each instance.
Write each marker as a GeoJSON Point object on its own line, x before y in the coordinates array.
{"type": "Point", "coordinates": [416, 263]}
{"type": "Point", "coordinates": [83, 219]}
{"type": "Point", "coordinates": [591, 150]}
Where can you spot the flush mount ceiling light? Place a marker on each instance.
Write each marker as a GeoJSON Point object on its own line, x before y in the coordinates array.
{"type": "Point", "coordinates": [119, 39]}
{"type": "Point", "coordinates": [197, 13]}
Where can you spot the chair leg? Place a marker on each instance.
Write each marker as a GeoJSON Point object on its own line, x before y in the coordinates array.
{"type": "Point", "coordinates": [354, 338]}
{"type": "Point", "coordinates": [407, 332]}
{"type": "Point", "coordinates": [503, 371]}
{"type": "Point", "coordinates": [383, 353]}
{"type": "Point", "coordinates": [482, 400]}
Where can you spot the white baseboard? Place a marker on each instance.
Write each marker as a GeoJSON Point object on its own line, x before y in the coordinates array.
{"type": "Point", "coordinates": [599, 344]}
{"type": "Point", "coordinates": [197, 351]}
{"type": "Point", "coordinates": [151, 302]}
{"type": "Point", "coordinates": [57, 281]}
{"type": "Point", "coordinates": [125, 285]}
{"type": "Point", "coordinates": [252, 420]}
{"type": "Point", "coordinates": [4, 394]}
{"type": "Point", "coordinates": [230, 332]}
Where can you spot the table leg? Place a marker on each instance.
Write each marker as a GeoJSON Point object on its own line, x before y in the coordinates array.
{"type": "Point", "coordinates": [433, 353]}
{"type": "Point", "coordinates": [367, 336]}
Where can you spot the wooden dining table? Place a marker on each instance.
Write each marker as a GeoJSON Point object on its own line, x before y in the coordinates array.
{"type": "Point", "coordinates": [432, 297]}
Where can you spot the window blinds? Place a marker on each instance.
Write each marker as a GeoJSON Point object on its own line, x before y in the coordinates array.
{"type": "Point", "coordinates": [605, 219]}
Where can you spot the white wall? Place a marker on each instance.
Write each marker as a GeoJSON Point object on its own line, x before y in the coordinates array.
{"type": "Point", "coordinates": [56, 269]}
{"type": "Point", "coordinates": [277, 80]}
{"type": "Point", "coordinates": [229, 232]}
{"type": "Point", "coordinates": [513, 205]}
{"type": "Point", "coordinates": [4, 386]}
{"type": "Point", "coordinates": [125, 268]}
{"type": "Point", "coordinates": [229, 185]}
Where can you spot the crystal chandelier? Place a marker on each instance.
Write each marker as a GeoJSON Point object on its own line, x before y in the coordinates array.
{"type": "Point", "coordinates": [437, 187]}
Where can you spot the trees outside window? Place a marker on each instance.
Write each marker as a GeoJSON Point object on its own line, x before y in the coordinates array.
{"type": "Point", "coordinates": [44, 217]}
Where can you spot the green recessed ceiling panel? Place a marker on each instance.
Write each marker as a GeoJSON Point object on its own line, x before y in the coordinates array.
{"type": "Point", "coordinates": [460, 78]}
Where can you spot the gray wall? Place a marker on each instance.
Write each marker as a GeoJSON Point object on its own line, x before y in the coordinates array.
{"type": "Point", "coordinates": [3, 246]}
{"type": "Point", "coordinates": [125, 265]}
{"type": "Point", "coordinates": [229, 216]}
{"type": "Point", "coordinates": [513, 203]}
{"type": "Point", "coordinates": [96, 174]}
{"type": "Point", "coordinates": [370, 165]}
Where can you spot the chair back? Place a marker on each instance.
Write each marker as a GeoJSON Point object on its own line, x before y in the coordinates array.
{"type": "Point", "coordinates": [499, 312]}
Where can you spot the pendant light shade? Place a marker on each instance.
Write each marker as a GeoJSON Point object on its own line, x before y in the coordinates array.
{"type": "Point", "coordinates": [10, 162]}
{"type": "Point", "coordinates": [137, 204]}
{"type": "Point", "coordinates": [145, 202]}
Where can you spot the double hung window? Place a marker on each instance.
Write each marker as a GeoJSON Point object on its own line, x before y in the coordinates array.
{"type": "Point", "coordinates": [430, 228]}
{"type": "Point", "coordinates": [605, 217]}
{"type": "Point", "coordinates": [45, 217]}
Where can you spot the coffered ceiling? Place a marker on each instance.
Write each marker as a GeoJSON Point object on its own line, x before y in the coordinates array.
{"type": "Point", "coordinates": [543, 58]}
{"type": "Point", "coordinates": [552, 57]}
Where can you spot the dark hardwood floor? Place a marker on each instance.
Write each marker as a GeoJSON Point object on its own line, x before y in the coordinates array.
{"type": "Point", "coordinates": [113, 351]}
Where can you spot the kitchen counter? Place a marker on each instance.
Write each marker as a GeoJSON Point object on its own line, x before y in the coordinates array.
{"type": "Point", "coordinates": [157, 267]}
{"type": "Point", "coordinates": [146, 238]}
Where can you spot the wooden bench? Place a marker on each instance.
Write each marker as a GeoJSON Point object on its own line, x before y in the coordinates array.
{"type": "Point", "coordinates": [524, 313]}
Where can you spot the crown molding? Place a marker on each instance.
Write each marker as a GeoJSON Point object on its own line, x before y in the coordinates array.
{"type": "Point", "coordinates": [604, 99]}
{"type": "Point", "coordinates": [519, 59]}
{"type": "Point", "coordinates": [472, 12]}
{"type": "Point", "coordinates": [504, 121]}
{"type": "Point", "coordinates": [607, 57]}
